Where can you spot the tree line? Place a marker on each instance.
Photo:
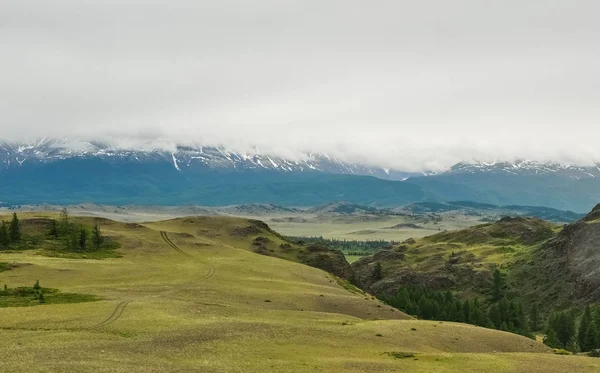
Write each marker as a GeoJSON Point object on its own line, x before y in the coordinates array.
{"type": "Point", "coordinates": [10, 234]}
{"type": "Point", "coordinates": [75, 237]}
{"type": "Point", "coordinates": [349, 247]}
{"type": "Point", "coordinates": [562, 330]}
{"type": "Point", "coordinates": [510, 316]}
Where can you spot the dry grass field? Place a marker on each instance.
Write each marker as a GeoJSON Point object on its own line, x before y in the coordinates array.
{"type": "Point", "coordinates": [188, 295]}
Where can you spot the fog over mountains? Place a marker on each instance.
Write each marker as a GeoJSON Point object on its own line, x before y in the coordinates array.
{"type": "Point", "coordinates": [72, 171]}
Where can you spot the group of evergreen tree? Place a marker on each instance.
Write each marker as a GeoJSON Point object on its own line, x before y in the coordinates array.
{"type": "Point", "coordinates": [349, 247]}
{"type": "Point", "coordinates": [445, 306]}
{"type": "Point", "coordinates": [75, 237]}
{"type": "Point", "coordinates": [503, 314]}
{"type": "Point", "coordinates": [10, 234]}
{"type": "Point", "coordinates": [562, 331]}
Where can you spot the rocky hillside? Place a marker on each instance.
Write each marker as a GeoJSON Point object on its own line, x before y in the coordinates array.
{"type": "Point", "coordinates": [572, 258]}
{"type": "Point", "coordinates": [460, 260]}
{"type": "Point", "coordinates": [552, 266]}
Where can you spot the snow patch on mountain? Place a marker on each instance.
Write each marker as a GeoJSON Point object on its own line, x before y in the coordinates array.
{"type": "Point", "coordinates": [183, 158]}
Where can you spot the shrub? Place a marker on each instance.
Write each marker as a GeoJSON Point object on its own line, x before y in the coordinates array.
{"type": "Point", "coordinates": [560, 351]}
{"type": "Point", "coordinates": [401, 355]}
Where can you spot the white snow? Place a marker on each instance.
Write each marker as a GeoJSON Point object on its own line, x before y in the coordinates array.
{"type": "Point", "coordinates": [272, 162]}
{"type": "Point", "coordinates": [175, 162]}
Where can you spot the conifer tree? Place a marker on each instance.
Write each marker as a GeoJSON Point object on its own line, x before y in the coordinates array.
{"type": "Point", "coordinates": [522, 322]}
{"type": "Point", "coordinates": [377, 272]}
{"type": "Point", "coordinates": [495, 316]}
{"type": "Point", "coordinates": [82, 238]}
{"type": "Point", "coordinates": [551, 340]}
{"type": "Point", "coordinates": [467, 312]}
{"type": "Point", "coordinates": [497, 286]}
{"type": "Point", "coordinates": [402, 299]}
{"type": "Point", "coordinates": [563, 324]}
{"type": "Point", "coordinates": [573, 346]}
{"type": "Point", "coordinates": [97, 238]}
{"type": "Point", "coordinates": [65, 228]}
{"type": "Point", "coordinates": [534, 318]}
{"type": "Point", "coordinates": [4, 237]}
{"type": "Point", "coordinates": [584, 324]}
{"type": "Point", "coordinates": [36, 286]}
{"type": "Point", "coordinates": [53, 231]}
{"type": "Point", "coordinates": [14, 230]}
{"type": "Point", "coordinates": [590, 339]}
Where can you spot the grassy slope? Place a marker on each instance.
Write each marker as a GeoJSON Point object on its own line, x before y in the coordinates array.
{"type": "Point", "coordinates": [204, 309]}
{"type": "Point", "coordinates": [460, 260]}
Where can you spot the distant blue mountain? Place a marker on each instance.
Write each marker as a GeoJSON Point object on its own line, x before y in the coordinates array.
{"type": "Point", "coordinates": [60, 172]}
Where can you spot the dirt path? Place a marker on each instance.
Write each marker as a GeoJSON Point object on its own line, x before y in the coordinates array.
{"type": "Point", "coordinates": [117, 313]}
{"type": "Point", "coordinates": [211, 269]}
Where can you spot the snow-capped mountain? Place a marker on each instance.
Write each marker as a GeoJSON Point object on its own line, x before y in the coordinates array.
{"type": "Point", "coordinates": [70, 171]}
{"type": "Point", "coordinates": [525, 167]}
{"type": "Point", "coordinates": [183, 158]}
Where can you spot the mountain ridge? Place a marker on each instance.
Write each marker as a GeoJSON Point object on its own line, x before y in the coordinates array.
{"type": "Point", "coordinates": [66, 171]}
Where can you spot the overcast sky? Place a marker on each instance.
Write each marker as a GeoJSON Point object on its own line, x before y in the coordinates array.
{"type": "Point", "coordinates": [404, 84]}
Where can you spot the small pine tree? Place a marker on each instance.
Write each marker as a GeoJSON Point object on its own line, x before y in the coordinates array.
{"type": "Point", "coordinates": [573, 346]}
{"type": "Point", "coordinates": [551, 340]}
{"type": "Point", "coordinates": [584, 324]}
{"type": "Point", "coordinates": [377, 272]}
{"type": "Point", "coordinates": [534, 318]}
{"type": "Point", "coordinates": [14, 230]}
{"type": "Point", "coordinates": [564, 325]}
{"type": "Point", "coordinates": [504, 326]}
{"type": "Point", "coordinates": [4, 237]}
{"type": "Point", "coordinates": [497, 286]}
{"type": "Point", "coordinates": [522, 322]}
{"type": "Point", "coordinates": [402, 299]}
{"type": "Point", "coordinates": [467, 312]}
{"type": "Point", "coordinates": [495, 316]}
{"type": "Point", "coordinates": [590, 338]}
{"type": "Point", "coordinates": [82, 238]}
{"type": "Point", "coordinates": [65, 227]}
{"type": "Point", "coordinates": [53, 231]}
{"type": "Point", "coordinates": [64, 216]}
{"type": "Point", "coordinates": [37, 287]}
{"type": "Point", "coordinates": [97, 238]}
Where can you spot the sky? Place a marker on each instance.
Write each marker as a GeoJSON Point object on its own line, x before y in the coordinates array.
{"type": "Point", "coordinates": [409, 85]}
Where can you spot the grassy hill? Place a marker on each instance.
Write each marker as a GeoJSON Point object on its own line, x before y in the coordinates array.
{"type": "Point", "coordinates": [541, 263]}
{"type": "Point", "coordinates": [192, 294]}
{"type": "Point", "coordinates": [461, 260]}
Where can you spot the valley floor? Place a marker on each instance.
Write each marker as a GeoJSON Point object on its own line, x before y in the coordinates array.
{"type": "Point", "coordinates": [195, 299]}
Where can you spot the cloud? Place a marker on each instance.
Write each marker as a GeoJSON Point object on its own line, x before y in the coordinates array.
{"type": "Point", "coordinates": [400, 84]}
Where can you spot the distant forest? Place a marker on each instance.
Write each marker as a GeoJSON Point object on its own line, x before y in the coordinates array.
{"type": "Point", "coordinates": [348, 247]}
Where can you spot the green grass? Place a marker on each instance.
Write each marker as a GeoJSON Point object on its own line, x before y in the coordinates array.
{"type": "Point", "coordinates": [353, 258]}
{"type": "Point", "coordinates": [27, 296]}
{"type": "Point", "coordinates": [4, 266]}
{"type": "Point", "coordinates": [203, 309]}
{"type": "Point", "coordinates": [99, 254]}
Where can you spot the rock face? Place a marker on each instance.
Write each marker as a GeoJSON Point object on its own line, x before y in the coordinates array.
{"type": "Point", "coordinates": [575, 254]}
